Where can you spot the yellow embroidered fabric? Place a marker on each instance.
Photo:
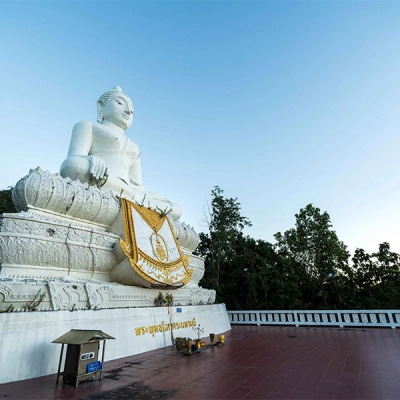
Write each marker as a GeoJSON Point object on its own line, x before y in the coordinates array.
{"type": "Point", "coordinates": [151, 246]}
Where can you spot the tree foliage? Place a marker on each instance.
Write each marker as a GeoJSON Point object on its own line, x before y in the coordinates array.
{"type": "Point", "coordinates": [314, 252]}
{"type": "Point", "coordinates": [6, 204]}
{"type": "Point", "coordinates": [225, 224]}
{"type": "Point", "coordinates": [307, 268]}
{"type": "Point", "coordinates": [376, 278]}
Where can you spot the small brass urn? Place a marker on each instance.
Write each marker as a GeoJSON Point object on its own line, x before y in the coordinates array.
{"type": "Point", "coordinates": [212, 337]}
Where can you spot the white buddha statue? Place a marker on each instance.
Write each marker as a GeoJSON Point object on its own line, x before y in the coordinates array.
{"type": "Point", "coordinates": [100, 154]}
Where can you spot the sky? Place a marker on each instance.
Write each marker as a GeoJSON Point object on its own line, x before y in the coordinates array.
{"type": "Point", "coordinates": [280, 103]}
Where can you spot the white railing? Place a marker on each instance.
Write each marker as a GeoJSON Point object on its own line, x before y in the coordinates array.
{"type": "Point", "coordinates": [341, 318]}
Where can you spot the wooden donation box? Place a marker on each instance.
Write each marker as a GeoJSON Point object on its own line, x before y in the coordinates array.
{"type": "Point", "coordinates": [82, 358]}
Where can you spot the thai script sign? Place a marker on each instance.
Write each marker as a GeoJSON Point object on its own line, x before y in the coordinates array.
{"type": "Point", "coordinates": [164, 327]}
{"type": "Point", "coordinates": [94, 366]}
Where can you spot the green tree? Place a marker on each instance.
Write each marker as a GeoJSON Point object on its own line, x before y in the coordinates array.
{"type": "Point", "coordinates": [365, 279]}
{"type": "Point", "coordinates": [376, 278]}
{"type": "Point", "coordinates": [389, 276]}
{"type": "Point", "coordinates": [219, 245]}
{"type": "Point", "coordinates": [312, 251]}
{"type": "Point", "coordinates": [247, 273]}
{"type": "Point", "coordinates": [6, 204]}
{"type": "Point", "coordinates": [245, 280]}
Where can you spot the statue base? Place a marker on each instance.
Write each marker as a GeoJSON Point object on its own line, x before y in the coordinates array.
{"type": "Point", "coordinates": [26, 336]}
{"type": "Point", "coordinates": [56, 259]}
{"type": "Point", "coordinates": [71, 294]}
{"type": "Point", "coordinates": [66, 229]}
{"type": "Point", "coordinates": [59, 247]}
{"type": "Point", "coordinates": [43, 245]}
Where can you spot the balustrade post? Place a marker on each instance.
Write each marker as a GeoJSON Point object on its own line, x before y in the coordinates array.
{"type": "Point", "coordinates": [296, 319]}
{"type": "Point", "coordinates": [390, 316]}
{"type": "Point", "coordinates": [339, 315]}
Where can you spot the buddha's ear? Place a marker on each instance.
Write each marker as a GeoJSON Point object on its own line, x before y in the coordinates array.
{"type": "Point", "coordinates": [100, 112]}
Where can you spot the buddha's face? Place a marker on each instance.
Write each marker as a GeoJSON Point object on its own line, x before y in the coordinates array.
{"type": "Point", "coordinates": [119, 111]}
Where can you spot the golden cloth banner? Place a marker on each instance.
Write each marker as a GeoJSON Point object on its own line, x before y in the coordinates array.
{"type": "Point", "coordinates": [151, 246]}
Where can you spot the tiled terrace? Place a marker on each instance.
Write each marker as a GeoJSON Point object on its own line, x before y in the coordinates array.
{"type": "Point", "coordinates": [256, 362]}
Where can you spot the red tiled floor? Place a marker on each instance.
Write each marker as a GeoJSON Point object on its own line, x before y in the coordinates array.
{"type": "Point", "coordinates": [254, 363]}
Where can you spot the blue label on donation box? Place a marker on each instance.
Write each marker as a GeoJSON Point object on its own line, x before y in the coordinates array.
{"type": "Point", "coordinates": [94, 366]}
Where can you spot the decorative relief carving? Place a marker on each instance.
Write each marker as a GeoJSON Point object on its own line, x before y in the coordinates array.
{"type": "Point", "coordinates": [6, 291]}
{"type": "Point", "coordinates": [72, 295]}
{"type": "Point", "coordinates": [197, 261]}
{"type": "Point", "coordinates": [92, 296]}
{"type": "Point", "coordinates": [80, 258]}
{"type": "Point", "coordinates": [28, 251]}
{"type": "Point", "coordinates": [67, 296]}
{"type": "Point", "coordinates": [197, 265]}
{"type": "Point", "coordinates": [31, 242]}
{"type": "Point", "coordinates": [104, 261]}
{"type": "Point", "coordinates": [79, 235]}
{"type": "Point", "coordinates": [185, 235]}
{"type": "Point", "coordinates": [55, 297]}
{"type": "Point", "coordinates": [198, 273]}
{"type": "Point", "coordinates": [104, 240]}
{"type": "Point", "coordinates": [27, 223]}
{"type": "Point", "coordinates": [107, 290]}
{"type": "Point", "coordinates": [16, 295]}
{"type": "Point", "coordinates": [21, 224]}
{"type": "Point", "coordinates": [64, 196]}
{"type": "Point", "coordinates": [111, 296]}
{"type": "Point", "coordinates": [202, 296]}
{"type": "Point", "coordinates": [76, 291]}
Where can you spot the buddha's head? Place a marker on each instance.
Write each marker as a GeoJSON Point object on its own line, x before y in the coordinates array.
{"type": "Point", "coordinates": [116, 107]}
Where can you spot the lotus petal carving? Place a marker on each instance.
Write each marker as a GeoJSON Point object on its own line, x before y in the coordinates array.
{"type": "Point", "coordinates": [47, 191]}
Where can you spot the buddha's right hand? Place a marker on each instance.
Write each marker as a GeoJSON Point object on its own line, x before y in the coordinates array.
{"type": "Point", "coordinates": [98, 168]}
